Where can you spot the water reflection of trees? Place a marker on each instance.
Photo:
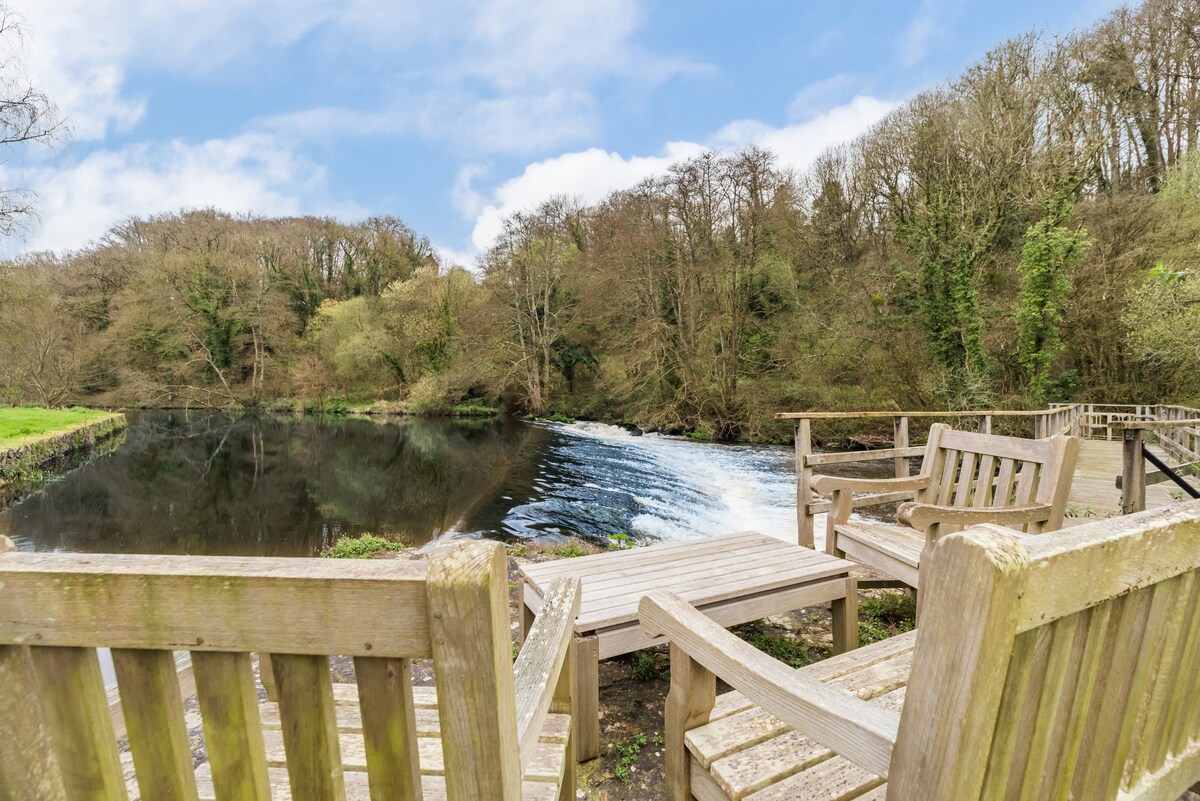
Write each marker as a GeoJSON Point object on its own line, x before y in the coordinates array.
{"type": "Point", "coordinates": [215, 483]}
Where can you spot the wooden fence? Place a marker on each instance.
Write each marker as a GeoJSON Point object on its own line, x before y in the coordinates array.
{"type": "Point", "coordinates": [1175, 429]}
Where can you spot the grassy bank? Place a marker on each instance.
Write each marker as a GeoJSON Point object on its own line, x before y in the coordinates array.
{"type": "Point", "coordinates": [30, 437]}
{"type": "Point", "coordinates": [23, 425]}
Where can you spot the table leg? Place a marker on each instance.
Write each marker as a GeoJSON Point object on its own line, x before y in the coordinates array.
{"type": "Point", "coordinates": [526, 614]}
{"type": "Point", "coordinates": [586, 720]}
{"type": "Point", "coordinates": [845, 619]}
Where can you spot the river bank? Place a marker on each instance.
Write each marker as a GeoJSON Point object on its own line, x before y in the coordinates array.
{"type": "Point", "coordinates": [31, 439]}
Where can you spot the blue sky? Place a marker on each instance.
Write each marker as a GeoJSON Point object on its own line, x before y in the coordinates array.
{"type": "Point", "coordinates": [452, 115]}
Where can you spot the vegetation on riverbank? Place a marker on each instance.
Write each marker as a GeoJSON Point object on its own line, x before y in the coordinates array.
{"type": "Point", "coordinates": [1024, 232]}
{"type": "Point", "coordinates": [31, 437]}
{"type": "Point", "coordinates": [364, 546]}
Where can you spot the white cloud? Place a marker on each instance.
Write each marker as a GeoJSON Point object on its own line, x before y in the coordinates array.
{"type": "Point", "coordinates": [591, 175]}
{"type": "Point", "coordinates": [81, 51]}
{"type": "Point", "coordinates": [799, 144]}
{"type": "Point", "coordinates": [508, 75]}
{"type": "Point", "coordinates": [248, 173]}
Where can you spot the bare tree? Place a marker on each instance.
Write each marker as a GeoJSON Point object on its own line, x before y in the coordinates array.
{"type": "Point", "coordinates": [27, 116]}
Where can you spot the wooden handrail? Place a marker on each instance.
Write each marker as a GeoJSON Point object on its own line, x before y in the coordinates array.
{"type": "Point", "coordinates": [1154, 425]}
{"type": "Point", "coordinates": [879, 414]}
{"type": "Point", "coordinates": [856, 730]}
{"type": "Point", "coordinates": [541, 660]}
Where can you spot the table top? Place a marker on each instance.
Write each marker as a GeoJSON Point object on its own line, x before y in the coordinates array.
{"type": "Point", "coordinates": [703, 571]}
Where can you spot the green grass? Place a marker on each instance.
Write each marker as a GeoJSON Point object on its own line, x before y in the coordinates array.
{"type": "Point", "coordinates": [787, 648]}
{"type": "Point", "coordinates": [888, 614]}
{"type": "Point", "coordinates": [364, 547]}
{"type": "Point", "coordinates": [569, 549]}
{"type": "Point", "coordinates": [28, 423]}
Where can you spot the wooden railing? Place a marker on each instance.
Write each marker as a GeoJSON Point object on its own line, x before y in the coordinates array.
{"type": "Point", "coordinates": [1175, 429]}
{"type": "Point", "coordinates": [1058, 419]}
{"type": "Point", "coordinates": [57, 740]}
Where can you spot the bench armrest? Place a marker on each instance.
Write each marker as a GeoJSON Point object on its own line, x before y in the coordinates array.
{"type": "Point", "coordinates": [860, 732]}
{"type": "Point", "coordinates": [541, 660]}
{"type": "Point", "coordinates": [827, 485]}
{"type": "Point", "coordinates": [922, 515]}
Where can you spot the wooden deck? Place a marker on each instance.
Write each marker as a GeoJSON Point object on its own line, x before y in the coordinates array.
{"type": "Point", "coordinates": [1094, 490]}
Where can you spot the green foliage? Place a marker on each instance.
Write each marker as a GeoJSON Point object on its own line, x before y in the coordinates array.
{"type": "Point", "coordinates": [645, 666]}
{"type": "Point", "coordinates": [621, 542]}
{"type": "Point", "coordinates": [557, 417]}
{"type": "Point", "coordinates": [335, 406]}
{"type": "Point", "coordinates": [627, 752]}
{"type": "Point", "coordinates": [570, 549]}
{"type": "Point", "coordinates": [786, 647]}
{"type": "Point", "coordinates": [1050, 254]}
{"type": "Point", "coordinates": [885, 615]}
{"type": "Point", "coordinates": [365, 546]}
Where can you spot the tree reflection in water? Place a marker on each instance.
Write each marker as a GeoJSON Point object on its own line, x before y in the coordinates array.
{"type": "Point", "coordinates": [217, 483]}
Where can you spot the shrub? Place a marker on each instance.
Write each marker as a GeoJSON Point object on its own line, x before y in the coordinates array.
{"type": "Point", "coordinates": [363, 547]}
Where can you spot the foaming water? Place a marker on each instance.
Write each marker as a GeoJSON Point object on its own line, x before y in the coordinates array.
{"type": "Point", "coordinates": [596, 480]}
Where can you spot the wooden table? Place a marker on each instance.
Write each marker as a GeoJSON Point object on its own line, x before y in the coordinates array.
{"type": "Point", "coordinates": [733, 578]}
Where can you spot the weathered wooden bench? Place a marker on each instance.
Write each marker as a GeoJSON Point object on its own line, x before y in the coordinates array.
{"type": "Point", "coordinates": [492, 729]}
{"type": "Point", "coordinates": [1044, 668]}
{"type": "Point", "coordinates": [965, 479]}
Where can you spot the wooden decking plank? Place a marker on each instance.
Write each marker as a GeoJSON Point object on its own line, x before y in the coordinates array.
{"type": "Point", "coordinates": [1093, 486]}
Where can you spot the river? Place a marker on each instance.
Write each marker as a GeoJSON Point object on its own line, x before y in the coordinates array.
{"type": "Point", "coordinates": [216, 483]}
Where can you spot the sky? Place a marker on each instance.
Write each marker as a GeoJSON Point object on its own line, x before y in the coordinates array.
{"type": "Point", "coordinates": [452, 114]}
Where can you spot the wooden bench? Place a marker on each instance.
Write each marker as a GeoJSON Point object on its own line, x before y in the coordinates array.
{"type": "Point", "coordinates": [492, 729]}
{"type": "Point", "coordinates": [1045, 668]}
{"type": "Point", "coordinates": [732, 578]}
{"type": "Point", "coordinates": [966, 478]}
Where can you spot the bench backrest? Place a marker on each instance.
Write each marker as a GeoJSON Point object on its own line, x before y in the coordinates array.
{"type": "Point", "coordinates": [1057, 667]}
{"type": "Point", "coordinates": [986, 471]}
{"type": "Point", "coordinates": [56, 735]}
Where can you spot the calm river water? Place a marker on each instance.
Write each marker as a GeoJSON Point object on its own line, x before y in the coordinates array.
{"type": "Point", "coordinates": [213, 483]}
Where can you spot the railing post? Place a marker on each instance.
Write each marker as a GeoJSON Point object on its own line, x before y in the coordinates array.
{"type": "Point", "coordinates": [472, 648]}
{"type": "Point", "coordinates": [804, 520]}
{"type": "Point", "coordinates": [985, 424]}
{"type": "Point", "coordinates": [900, 440]}
{"type": "Point", "coordinates": [1133, 472]}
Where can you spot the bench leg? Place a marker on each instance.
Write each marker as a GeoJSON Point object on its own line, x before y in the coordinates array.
{"type": "Point", "coordinates": [845, 619]}
{"type": "Point", "coordinates": [586, 720]}
{"type": "Point", "coordinates": [526, 614]}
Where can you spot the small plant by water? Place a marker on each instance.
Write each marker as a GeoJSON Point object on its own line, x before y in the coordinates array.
{"type": "Point", "coordinates": [569, 549]}
{"type": "Point", "coordinates": [365, 546]}
{"type": "Point", "coordinates": [621, 542]}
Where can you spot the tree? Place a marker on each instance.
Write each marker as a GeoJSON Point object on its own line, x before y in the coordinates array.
{"type": "Point", "coordinates": [27, 117]}
{"type": "Point", "coordinates": [1050, 254]}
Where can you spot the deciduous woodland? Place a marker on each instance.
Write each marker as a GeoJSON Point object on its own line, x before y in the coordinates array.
{"type": "Point", "coordinates": [1029, 231]}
